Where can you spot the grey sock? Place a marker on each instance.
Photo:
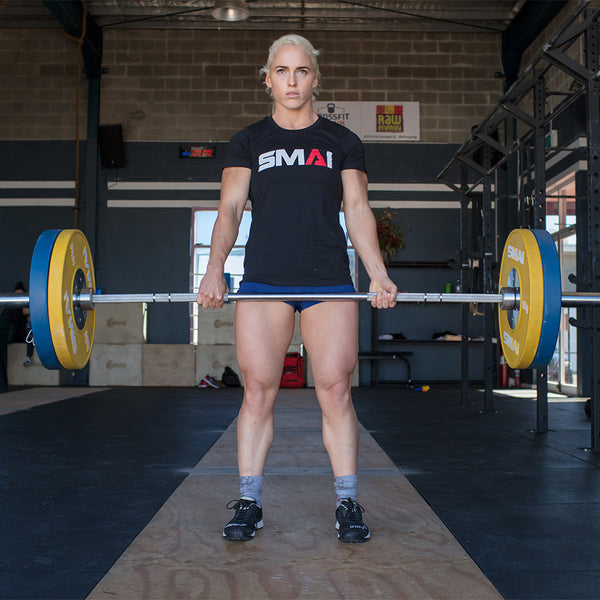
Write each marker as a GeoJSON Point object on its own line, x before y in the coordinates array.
{"type": "Point", "coordinates": [251, 487]}
{"type": "Point", "coordinates": [345, 487]}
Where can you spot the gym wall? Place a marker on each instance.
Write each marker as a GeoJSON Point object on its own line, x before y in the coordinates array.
{"type": "Point", "coordinates": [166, 87]}
{"type": "Point", "coordinates": [204, 85]}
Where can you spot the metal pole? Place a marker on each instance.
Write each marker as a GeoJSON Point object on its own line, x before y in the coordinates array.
{"type": "Point", "coordinates": [593, 221]}
{"type": "Point", "coordinates": [465, 253]}
{"type": "Point", "coordinates": [14, 300]}
{"type": "Point", "coordinates": [88, 210]}
{"type": "Point", "coordinates": [489, 358]}
{"type": "Point", "coordinates": [507, 296]}
{"type": "Point", "coordinates": [507, 299]}
{"type": "Point", "coordinates": [580, 299]}
{"type": "Point", "coordinates": [539, 222]}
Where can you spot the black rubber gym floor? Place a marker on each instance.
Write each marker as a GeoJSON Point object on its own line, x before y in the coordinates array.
{"type": "Point", "coordinates": [81, 478]}
{"type": "Point", "coordinates": [526, 506]}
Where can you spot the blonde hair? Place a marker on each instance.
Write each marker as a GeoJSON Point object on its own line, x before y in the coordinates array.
{"type": "Point", "coordinates": [292, 39]}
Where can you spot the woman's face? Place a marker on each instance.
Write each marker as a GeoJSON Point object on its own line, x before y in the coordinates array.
{"type": "Point", "coordinates": [291, 77]}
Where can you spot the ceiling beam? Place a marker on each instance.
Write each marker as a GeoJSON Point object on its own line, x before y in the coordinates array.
{"type": "Point", "coordinates": [70, 15]}
{"type": "Point", "coordinates": [531, 20]}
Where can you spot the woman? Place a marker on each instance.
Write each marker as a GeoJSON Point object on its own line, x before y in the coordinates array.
{"type": "Point", "coordinates": [296, 168]}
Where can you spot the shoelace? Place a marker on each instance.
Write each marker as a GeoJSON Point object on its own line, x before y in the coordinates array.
{"type": "Point", "coordinates": [239, 504]}
{"type": "Point", "coordinates": [355, 510]}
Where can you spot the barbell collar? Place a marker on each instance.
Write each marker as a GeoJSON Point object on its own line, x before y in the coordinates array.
{"type": "Point", "coordinates": [511, 298]}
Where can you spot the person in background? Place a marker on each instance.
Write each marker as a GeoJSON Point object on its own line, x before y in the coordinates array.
{"type": "Point", "coordinates": [19, 317]}
{"type": "Point", "coordinates": [298, 170]}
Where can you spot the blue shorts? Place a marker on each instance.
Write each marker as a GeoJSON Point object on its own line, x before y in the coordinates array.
{"type": "Point", "coordinates": [249, 287]}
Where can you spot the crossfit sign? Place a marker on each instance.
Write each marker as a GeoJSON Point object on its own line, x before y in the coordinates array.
{"type": "Point", "coordinates": [375, 121]}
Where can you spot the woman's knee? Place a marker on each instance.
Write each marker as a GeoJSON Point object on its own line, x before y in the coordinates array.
{"type": "Point", "coordinates": [334, 394]}
{"type": "Point", "coordinates": [259, 396]}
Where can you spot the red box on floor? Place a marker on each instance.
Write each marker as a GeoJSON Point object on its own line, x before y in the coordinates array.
{"type": "Point", "coordinates": [293, 375]}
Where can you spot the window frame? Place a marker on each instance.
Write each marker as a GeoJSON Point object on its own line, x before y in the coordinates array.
{"type": "Point", "coordinates": [235, 278]}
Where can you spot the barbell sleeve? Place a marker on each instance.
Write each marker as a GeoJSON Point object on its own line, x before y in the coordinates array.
{"type": "Point", "coordinates": [582, 299]}
{"type": "Point", "coordinates": [14, 300]}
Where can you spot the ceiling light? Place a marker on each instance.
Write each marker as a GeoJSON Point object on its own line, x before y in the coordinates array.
{"type": "Point", "coordinates": [230, 10]}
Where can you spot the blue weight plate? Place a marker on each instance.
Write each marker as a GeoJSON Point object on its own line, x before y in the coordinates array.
{"type": "Point", "coordinates": [38, 298]}
{"type": "Point", "coordinates": [552, 299]}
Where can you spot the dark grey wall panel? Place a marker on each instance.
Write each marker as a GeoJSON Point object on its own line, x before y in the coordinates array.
{"type": "Point", "coordinates": [148, 250]}
{"type": "Point", "coordinates": [37, 160]}
{"type": "Point", "coordinates": [160, 161]}
{"type": "Point", "coordinates": [19, 230]}
{"type": "Point", "coordinates": [407, 162]}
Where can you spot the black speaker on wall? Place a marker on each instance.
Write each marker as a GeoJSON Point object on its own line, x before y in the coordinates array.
{"type": "Point", "coordinates": [112, 151]}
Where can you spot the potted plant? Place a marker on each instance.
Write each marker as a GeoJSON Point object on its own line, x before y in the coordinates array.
{"type": "Point", "coordinates": [390, 235]}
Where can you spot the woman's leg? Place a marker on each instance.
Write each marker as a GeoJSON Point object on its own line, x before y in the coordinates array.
{"type": "Point", "coordinates": [263, 332]}
{"type": "Point", "coordinates": [330, 334]}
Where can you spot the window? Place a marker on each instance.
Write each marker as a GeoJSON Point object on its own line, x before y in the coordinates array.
{"type": "Point", "coordinates": [560, 222]}
{"type": "Point", "coordinates": [203, 222]}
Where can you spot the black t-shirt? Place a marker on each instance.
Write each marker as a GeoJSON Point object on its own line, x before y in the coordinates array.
{"type": "Point", "coordinates": [296, 193]}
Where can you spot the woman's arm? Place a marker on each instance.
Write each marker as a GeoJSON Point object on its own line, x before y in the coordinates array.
{"type": "Point", "coordinates": [235, 186]}
{"type": "Point", "coordinates": [363, 234]}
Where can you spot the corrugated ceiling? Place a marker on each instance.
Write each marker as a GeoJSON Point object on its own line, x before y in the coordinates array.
{"type": "Point", "coordinates": [345, 15]}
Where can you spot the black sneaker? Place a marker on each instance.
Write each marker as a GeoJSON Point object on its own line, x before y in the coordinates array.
{"type": "Point", "coordinates": [247, 519]}
{"type": "Point", "coordinates": [349, 523]}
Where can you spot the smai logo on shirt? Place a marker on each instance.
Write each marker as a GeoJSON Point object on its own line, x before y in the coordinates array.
{"type": "Point", "coordinates": [279, 158]}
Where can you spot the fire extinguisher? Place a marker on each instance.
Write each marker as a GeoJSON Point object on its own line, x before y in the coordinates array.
{"type": "Point", "coordinates": [503, 371]}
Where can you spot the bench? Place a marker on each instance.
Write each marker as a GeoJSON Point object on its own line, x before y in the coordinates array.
{"type": "Point", "coordinates": [375, 356]}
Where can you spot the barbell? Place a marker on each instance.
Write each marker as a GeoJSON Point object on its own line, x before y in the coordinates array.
{"type": "Point", "coordinates": [62, 298]}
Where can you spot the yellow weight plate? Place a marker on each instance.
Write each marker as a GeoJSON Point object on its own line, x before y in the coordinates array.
{"type": "Point", "coordinates": [521, 267]}
{"type": "Point", "coordinates": [71, 328]}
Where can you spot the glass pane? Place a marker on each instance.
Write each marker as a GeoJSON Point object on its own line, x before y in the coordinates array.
{"type": "Point", "coordinates": [244, 229]}
{"type": "Point", "coordinates": [560, 207]}
{"type": "Point", "coordinates": [568, 256]}
{"type": "Point", "coordinates": [552, 224]}
{"type": "Point", "coordinates": [568, 261]}
{"type": "Point", "coordinates": [343, 224]}
{"type": "Point", "coordinates": [553, 367]}
{"type": "Point", "coordinates": [234, 265]}
{"type": "Point", "coordinates": [353, 266]}
{"type": "Point", "coordinates": [204, 221]}
{"type": "Point", "coordinates": [569, 341]}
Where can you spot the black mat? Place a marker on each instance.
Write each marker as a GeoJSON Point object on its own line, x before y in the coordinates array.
{"type": "Point", "coordinates": [526, 506]}
{"type": "Point", "coordinates": [82, 477]}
